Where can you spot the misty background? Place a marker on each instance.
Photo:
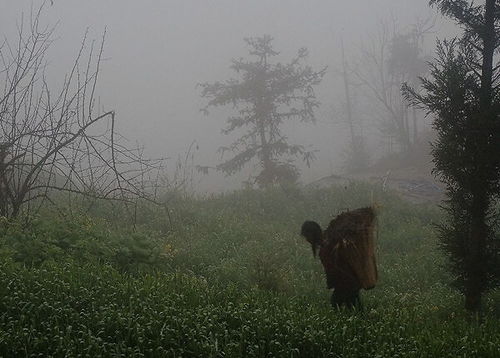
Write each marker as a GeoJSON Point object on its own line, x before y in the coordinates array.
{"type": "Point", "coordinates": [156, 52]}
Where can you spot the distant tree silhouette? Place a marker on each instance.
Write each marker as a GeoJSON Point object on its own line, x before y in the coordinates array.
{"type": "Point", "coordinates": [390, 59]}
{"type": "Point", "coordinates": [266, 95]}
{"type": "Point", "coordinates": [356, 156]}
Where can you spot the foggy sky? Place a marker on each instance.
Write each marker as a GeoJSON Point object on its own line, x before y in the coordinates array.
{"type": "Point", "coordinates": [157, 51]}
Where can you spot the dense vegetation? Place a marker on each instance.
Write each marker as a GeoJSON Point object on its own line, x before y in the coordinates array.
{"type": "Point", "coordinates": [229, 276]}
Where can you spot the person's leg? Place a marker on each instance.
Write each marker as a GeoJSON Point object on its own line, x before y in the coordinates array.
{"type": "Point", "coordinates": [350, 299]}
{"type": "Point", "coordinates": [335, 300]}
{"type": "Point", "coordinates": [357, 301]}
{"type": "Point", "coordinates": [340, 298]}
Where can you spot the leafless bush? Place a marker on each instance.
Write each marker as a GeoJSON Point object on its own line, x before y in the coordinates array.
{"type": "Point", "coordinates": [59, 141]}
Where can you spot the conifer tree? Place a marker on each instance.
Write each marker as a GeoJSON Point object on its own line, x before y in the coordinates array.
{"type": "Point", "coordinates": [266, 94]}
{"type": "Point", "coordinates": [462, 93]}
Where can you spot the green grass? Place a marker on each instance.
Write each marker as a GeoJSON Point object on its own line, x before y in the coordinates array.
{"type": "Point", "coordinates": [229, 276]}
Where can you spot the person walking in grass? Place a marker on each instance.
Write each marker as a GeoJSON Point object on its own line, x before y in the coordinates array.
{"type": "Point", "coordinates": [346, 250]}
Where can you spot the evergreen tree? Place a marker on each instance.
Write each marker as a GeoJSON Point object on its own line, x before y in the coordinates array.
{"type": "Point", "coordinates": [266, 95]}
{"type": "Point", "coordinates": [463, 93]}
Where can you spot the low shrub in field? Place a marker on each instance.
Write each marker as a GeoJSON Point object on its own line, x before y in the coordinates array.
{"type": "Point", "coordinates": [82, 239]}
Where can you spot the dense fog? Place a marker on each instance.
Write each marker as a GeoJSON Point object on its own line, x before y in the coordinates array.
{"type": "Point", "coordinates": [156, 52]}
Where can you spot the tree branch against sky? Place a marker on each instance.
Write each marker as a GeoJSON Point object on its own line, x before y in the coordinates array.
{"type": "Point", "coordinates": [56, 141]}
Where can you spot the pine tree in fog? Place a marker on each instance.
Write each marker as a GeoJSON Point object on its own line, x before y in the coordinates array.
{"type": "Point", "coordinates": [265, 95]}
{"type": "Point", "coordinates": [463, 94]}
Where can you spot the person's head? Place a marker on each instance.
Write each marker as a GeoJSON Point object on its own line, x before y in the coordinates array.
{"type": "Point", "coordinates": [313, 234]}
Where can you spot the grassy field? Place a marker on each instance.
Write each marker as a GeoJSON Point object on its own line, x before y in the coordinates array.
{"type": "Point", "coordinates": [229, 276]}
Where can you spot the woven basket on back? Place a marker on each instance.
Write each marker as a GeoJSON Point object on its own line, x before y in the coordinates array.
{"type": "Point", "coordinates": [353, 234]}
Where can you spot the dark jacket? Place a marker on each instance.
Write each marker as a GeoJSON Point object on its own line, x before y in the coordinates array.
{"type": "Point", "coordinates": [339, 275]}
